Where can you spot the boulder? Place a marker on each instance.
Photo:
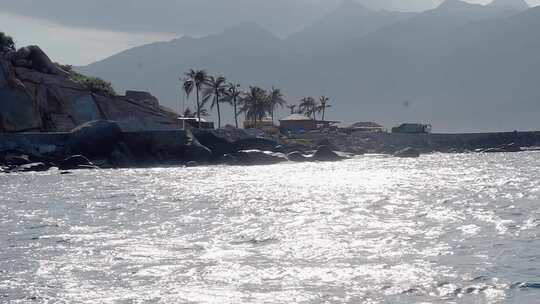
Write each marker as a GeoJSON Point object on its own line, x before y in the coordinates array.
{"type": "Point", "coordinates": [255, 143]}
{"type": "Point", "coordinates": [37, 60]}
{"type": "Point", "coordinates": [121, 157]}
{"type": "Point", "coordinates": [228, 159]}
{"type": "Point", "coordinates": [15, 159]}
{"type": "Point", "coordinates": [192, 164]}
{"type": "Point", "coordinates": [407, 153]}
{"type": "Point", "coordinates": [297, 157]}
{"type": "Point", "coordinates": [324, 153]}
{"type": "Point", "coordinates": [256, 157]}
{"type": "Point", "coordinates": [33, 167]}
{"type": "Point", "coordinates": [197, 152]}
{"type": "Point", "coordinates": [512, 147]}
{"type": "Point", "coordinates": [76, 162]}
{"type": "Point", "coordinates": [219, 146]}
{"type": "Point", "coordinates": [95, 139]}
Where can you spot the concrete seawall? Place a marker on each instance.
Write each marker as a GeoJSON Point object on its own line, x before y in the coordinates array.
{"type": "Point", "coordinates": [145, 143]}
{"type": "Point", "coordinates": [464, 141]}
{"type": "Point", "coordinates": [391, 142]}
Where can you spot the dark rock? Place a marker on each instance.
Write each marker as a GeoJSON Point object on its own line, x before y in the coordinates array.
{"type": "Point", "coordinates": [228, 159]}
{"type": "Point", "coordinates": [256, 157]}
{"type": "Point", "coordinates": [512, 147]}
{"type": "Point", "coordinates": [328, 143]}
{"type": "Point", "coordinates": [38, 60]}
{"type": "Point", "coordinates": [279, 149]}
{"type": "Point", "coordinates": [297, 157]}
{"type": "Point", "coordinates": [95, 139]}
{"type": "Point", "coordinates": [219, 146]}
{"type": "Point", "coordinates": [76, 162]}
{"type": "Point", "coordinates": [324, 153]}
{"type": "Point", "coordinates": [356, 150]}
{"type": "Point", "coordinates": [192, 164]}
{"type": "Point", "coordinates": [255, 143]}
{"type": "Point", "coordinates": [33, 167]}
{"type": "Point", "coordinates": [16, 159]}
{"type": "Point", "coordinates": [198, 152]}
{"type": "Point", "coordinates": [407, 153]}
{"type": "Point", "coordinates": [121, 157]}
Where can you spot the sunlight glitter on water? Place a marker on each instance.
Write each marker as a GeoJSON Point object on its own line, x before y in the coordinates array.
{"type": "Point", "coordinates": [374, 229]}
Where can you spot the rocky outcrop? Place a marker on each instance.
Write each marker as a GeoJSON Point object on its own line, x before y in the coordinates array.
{"type": "Point", "coordinates": [407, 153]}
{"type": "Point", "coordinates": [325, 153]}
{"type": "Point", "coordinates": [37, 95]}
{"type": "Point", "coordinates": [256, 157]}
{"type": "Point", "coordinates": [297, 157]}
{"type": "Point", "coordinates": [95, 139]}
{"type": "Point", "coordinates": [76, 162]}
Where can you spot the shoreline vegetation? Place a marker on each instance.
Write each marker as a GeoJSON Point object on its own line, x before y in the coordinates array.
{"type": "Point", "coordinates": [52, 116]}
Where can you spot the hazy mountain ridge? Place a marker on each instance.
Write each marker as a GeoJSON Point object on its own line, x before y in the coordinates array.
{"type": "Point", "coordinates": [461, 67]}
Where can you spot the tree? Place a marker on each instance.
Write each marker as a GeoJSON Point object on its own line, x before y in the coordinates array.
{"type": "Point", "coordinates": [216, 87]}
{"type": "Point", "coordinates": [195, 80]}
{"type": "Point", "coordinates": [323, 100]}
{"type": "Point", "coordinates": [6, 42]}
{"type": "Point", "coordinates": [275, 99]}
{"type": "Point", "coordinates": [232, 95]}
{"type": "Point", "coordinates": [189, 114]}
{"type": "Point", "coordinates": [292, 108]}
{"type": "Point", "coordinates": [254, 104]}
{"type": "Point", "coordinates": [308, 106]}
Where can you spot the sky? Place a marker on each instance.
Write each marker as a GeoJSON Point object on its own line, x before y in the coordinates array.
{"type": "Point", "coordinates": [80, 32]}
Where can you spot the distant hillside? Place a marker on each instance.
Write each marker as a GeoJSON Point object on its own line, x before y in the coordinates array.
{"type": "Point", "coordinates": [461, 67]}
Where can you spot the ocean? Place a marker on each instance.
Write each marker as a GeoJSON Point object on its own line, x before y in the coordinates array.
{"type": "Point", "coordinates": [443, 228]}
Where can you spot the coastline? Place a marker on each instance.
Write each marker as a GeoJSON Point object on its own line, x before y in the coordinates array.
{"type": "Point", "coordinates": [102, 144]}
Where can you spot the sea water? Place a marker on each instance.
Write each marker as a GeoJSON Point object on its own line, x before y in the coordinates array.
{"type": "Point", "coordinates": [443, 228]}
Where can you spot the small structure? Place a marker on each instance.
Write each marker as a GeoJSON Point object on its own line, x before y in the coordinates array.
{"type": "Point", "coordinates": [368, 127]}
{"type": "Point", "coordinates": [300, 123]}
{"type": "Point", "coordinates": [265, 123]}
{"type": "Point", "coordinates": [193, 122]}
{"type": "Point", "coordinates": [412, 128]}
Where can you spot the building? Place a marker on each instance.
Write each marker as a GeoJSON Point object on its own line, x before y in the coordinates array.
{"type": "Point", "coordinates": [193, 122]}
{"type": "Point", "coordinates": [265, 123]}
{"type": "Point", "coordinates": [368, 126]}
{"type": "Point", "coordinates": [300, 123]}
{"type": "Point", "coordinates": [412, 128]}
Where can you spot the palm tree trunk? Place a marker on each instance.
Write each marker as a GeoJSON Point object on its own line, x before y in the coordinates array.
{"type": "Point", "coordinates": [198, 109]}
{"type": "Point", "coordinates": [323, 112]}
{"type": "Point", "coordinates": [218, 111]}
{"type": "Point", "coordinates": [235, 113]}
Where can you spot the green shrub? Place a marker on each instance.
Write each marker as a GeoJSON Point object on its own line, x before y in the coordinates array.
{"type": "Point", "coordinates": [94, 84]}
{"type": "Point", "coordinates": [6, 42]}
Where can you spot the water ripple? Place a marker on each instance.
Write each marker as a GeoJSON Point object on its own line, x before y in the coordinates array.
{"type": "Point", "coordinates": [443, 228]}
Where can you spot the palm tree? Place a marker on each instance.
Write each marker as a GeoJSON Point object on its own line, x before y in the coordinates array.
{"type": "Point", "coordinates": [232, 95]}
{"type": "Point", "coordinates": [308, 106]}
{"type": "Point", "coordinates": [275, 99]}
{"type": "Point", "coordinates": [254, 104]}
{"type": "Point", "coordinates": [292, 108]}
{"type": "Point", "coordinates": [216, 87]}
{"type": "Point", "coordinates": [195, 80]}
{"type": "Point", "coordinates": [189, 114]}
{"type": "Point", "coordinates": [323, 100]}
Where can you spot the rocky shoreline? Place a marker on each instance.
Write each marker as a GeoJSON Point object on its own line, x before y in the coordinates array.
{"type": "Point", "coordinates": [103, 144]}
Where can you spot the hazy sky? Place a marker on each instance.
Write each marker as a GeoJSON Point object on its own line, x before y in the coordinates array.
{"type": "Point", "coordinates": [79, 32]}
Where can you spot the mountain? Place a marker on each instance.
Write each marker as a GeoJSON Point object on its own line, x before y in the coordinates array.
{"type": "Point", "coordinates": [351, 20]}
{"type": "Point", "coordinates": [461, 67]}
{"type": "Point", "coordinates": [512, 4]}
